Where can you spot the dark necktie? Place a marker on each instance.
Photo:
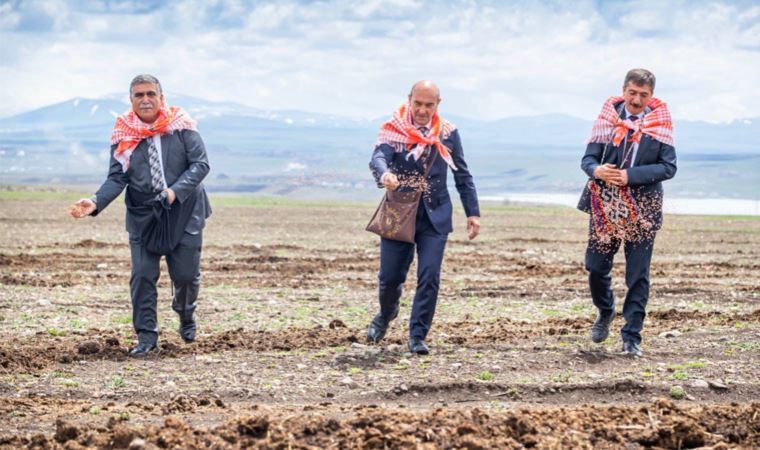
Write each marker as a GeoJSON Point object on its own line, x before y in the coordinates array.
{"type": "Point", "coordinates": [155, 166]}
{"type": "Point", "coordinates": [628, 155]}
{"type": "Point", "coordinates": [424, 131]}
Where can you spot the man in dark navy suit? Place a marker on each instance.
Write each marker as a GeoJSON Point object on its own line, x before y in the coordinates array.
{"type": "Point", "coordinates": [414, 141]}
{"type": "Point", "coordinates": [631, 147]}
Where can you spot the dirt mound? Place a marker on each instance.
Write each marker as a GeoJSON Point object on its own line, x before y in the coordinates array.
{"type": "Point", "coordinates": [43, 350]}
{"type": "Point", "coordinates": [20, 260]}
{"type": "Point", "coordinates": [660, 424]}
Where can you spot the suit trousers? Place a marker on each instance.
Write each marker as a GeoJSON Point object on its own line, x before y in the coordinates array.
{"type": "Point", "coordinates": [638, 256]}
{"type": "Point", "coordinates": [184, 271]}
{"type": "Point", "coordinates": [395, 259]}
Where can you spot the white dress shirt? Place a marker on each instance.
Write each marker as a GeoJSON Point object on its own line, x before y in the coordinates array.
{"type": "Point", "coordinates": [635, 146]}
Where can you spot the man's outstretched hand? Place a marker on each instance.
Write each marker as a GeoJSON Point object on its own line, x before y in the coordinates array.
{"type": "Point", "coordinates": [82, 208]}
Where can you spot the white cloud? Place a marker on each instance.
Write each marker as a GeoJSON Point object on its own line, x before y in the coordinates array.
{"type": "Point", "coordinates": [360, 57]}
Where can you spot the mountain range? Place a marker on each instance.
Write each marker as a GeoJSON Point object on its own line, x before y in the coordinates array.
{"type": "Point", "coordinates": [290, 152]}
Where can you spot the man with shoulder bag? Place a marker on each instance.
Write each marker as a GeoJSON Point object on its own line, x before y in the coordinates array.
{"type": "Point", "coordinates": [411, 159]}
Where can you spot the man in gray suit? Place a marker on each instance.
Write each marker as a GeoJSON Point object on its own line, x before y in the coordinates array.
{"type": "Point", "coordinates": [158, 155]}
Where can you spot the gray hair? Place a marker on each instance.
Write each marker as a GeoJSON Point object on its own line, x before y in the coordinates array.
{"type": "Point", "coordinates": [144, 79]}
{"type": "Point", "coordinates": [640, 77]}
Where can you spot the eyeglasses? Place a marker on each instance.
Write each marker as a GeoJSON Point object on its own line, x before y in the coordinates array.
{"type": "Point", "coordinates": [150, 94]}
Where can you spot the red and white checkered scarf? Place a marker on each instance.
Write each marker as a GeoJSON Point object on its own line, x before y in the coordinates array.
{"type": "Point", "coordinates": [129, 130]}
{"type": "Point", "coordinates": [609, 126]}
{"type": "Point", "coordinates": [401, 134]}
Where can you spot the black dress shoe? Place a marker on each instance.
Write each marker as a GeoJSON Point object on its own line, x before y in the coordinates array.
{"type": "Point", "coordinates": [632, 349]}
{"type": "Point", "coordinates": [378, 327]}
{"type": "Point", "coordinates": [142, 349]}
{"type": "Point", "coordinates": [418, 347]}
{"type": "Point", "coordinates": [376, 330]}
{"type": "Point", "coordinates": [601, 328]}
{"type": "Point", "coordinates": [187, 330]}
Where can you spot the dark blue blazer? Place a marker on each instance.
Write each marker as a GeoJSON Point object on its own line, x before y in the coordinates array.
{"type": "Point", "coordinates": [655, 162]}
{"type": "Point", "coordinates": [437, 203]}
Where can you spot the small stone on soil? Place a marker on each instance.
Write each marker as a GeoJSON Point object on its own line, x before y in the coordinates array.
{"type": "Point", "coordinates": [670, 334]}
{"type": "Point", "coordinates": [348, 382]}
{"type": "Point", "coordinates": [717, 385]}
{"type": "Point", "coordinates": [137, 444]}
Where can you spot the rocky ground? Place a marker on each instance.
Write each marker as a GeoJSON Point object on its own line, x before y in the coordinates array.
{"type": "Point", "coordinates": [281, 359]}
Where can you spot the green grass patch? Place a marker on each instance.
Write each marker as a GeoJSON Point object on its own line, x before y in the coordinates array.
{"type": "Point", "coordinates": [550, 312]}
{"type": "Point", "coordinates": [61, 374]}
{"type": "Point", "coordinates": [121, 320]}
{"type": "Point", "coordinates": [562, 377]}
{"type": "Point", "coordinates": [117, 381]}
{"type": "Point", "coordinates": [484, 376]}
{"type": "Point", "coordinates": [677, 392]}
{"type": "Point", "coordinates": [39, 194]}
{"type": "Point", "coordinates": [237, 316]}
{"type": "Point", "coordinates": [260, 201]}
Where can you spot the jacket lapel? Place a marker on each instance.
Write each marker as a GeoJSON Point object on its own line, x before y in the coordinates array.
{"type": "Point", "coordinates": [644, 143]}
{"type": "Point", "coordinates": [643, 147]}
{"type": "Point", "coordinates": [164, 149]}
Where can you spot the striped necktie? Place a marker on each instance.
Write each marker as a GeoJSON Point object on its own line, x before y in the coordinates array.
{"type": "Point", "coordinates": [156, 177]}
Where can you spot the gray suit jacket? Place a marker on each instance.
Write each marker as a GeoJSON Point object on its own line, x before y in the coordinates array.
{"type": "Point", "coordinates": [185, 166]}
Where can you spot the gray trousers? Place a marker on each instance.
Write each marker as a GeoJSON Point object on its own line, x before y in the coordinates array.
{"type": "Point", "coordinates": [185, 273]}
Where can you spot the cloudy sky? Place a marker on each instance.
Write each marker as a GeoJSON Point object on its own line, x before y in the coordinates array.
{"type": "Point", "coordinates": [358, 58]}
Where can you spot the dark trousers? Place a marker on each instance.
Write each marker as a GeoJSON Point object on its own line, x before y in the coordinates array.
{"type": "Point", "coordinates": [185, 273]}
{"type": "Point", "coordinates": [395, 259]}
{"type": "Point", "coordinates": [638, 256]}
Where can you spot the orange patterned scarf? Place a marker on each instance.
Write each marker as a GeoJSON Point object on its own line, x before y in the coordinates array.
{"type": "Point", "coordinates": [401, 134]}
{"type": "Point", "coordinates": [609, 126]}
{"type": "Point", "coordinates": [129, 130]}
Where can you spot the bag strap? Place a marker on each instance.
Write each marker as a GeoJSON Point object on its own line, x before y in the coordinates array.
{"type": "Point", "coordinates": [432, 157]}
{"type": "Point", "coordinates": [619, 111]}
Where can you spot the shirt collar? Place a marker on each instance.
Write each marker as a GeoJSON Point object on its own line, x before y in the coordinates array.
{"type": "Point", "coordinates": [628, 114]}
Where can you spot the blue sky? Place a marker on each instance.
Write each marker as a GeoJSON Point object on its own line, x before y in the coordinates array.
{"type": "Point", "coordinates": [359, 58]}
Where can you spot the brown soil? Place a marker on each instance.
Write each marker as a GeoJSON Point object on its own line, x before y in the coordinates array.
{"type": "Point", "coordinates": [281, 359]}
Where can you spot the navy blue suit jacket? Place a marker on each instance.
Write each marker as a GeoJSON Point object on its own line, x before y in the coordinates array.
{"type": "Point", "coordinates": [655, 162]}
{"type": "Point", "coordinates": [437, 203]}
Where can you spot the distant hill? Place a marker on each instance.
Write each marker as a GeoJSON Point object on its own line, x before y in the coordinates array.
{"type": "Point", "coordinates": [292, 152]}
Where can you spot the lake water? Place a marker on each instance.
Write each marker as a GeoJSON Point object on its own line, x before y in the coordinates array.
{"type": "Point", "coordinates": [696, 206]}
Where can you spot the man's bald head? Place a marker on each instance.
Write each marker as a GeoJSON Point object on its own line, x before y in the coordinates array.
{"type": "Point", "coordinates": [423, 101]}
{"type": "Point", "coordinates": [426, 85]}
